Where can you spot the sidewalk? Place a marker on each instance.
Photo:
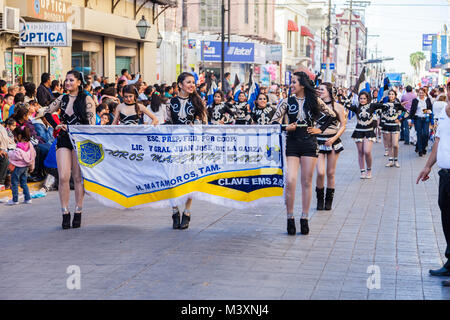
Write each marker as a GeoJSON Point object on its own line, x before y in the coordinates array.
{"type": "Point", "coordinates": [388, 221]}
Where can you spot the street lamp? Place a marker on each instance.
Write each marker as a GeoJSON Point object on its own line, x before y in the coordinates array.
{"type": "Point", "coordinates": [143, 26]}
{"type": "Point", "coordinates": [159, 40]}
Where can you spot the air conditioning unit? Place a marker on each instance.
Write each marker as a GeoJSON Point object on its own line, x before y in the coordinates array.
{"type": "Point", "coordinates": [9, 19]}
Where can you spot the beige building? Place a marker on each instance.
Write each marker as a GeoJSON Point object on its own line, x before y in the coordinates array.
{"type": "Point", "coordinates": [104, 39]}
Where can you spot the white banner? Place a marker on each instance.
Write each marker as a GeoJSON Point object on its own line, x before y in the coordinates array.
{"type": "Point", "coordinates": [141, 166]}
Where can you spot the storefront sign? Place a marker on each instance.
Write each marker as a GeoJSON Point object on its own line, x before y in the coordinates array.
{"type": "Point", "coordinates": [236, 52]}
{"type": "Point", "coordinates": [274, 52]}
{"type": "Point", "coordinates": [45, 34]}
{"type": "Point", "coordinates": [50, 10]}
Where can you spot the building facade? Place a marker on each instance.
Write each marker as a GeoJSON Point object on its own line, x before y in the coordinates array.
{"type": "Point", "coordinates": [104, 39]}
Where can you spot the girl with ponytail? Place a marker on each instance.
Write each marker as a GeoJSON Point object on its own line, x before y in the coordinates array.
{"type": "Point", "coordinates": [76, 108]}
{"type": "Point", "coordinates": [187, 108]}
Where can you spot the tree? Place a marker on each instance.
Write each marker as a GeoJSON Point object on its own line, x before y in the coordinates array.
{"type": "Point", "coordinates": [415, 58]}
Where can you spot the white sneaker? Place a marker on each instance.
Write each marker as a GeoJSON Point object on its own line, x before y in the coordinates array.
{"type": "Point", "coordinates": [390, 164]}
{"type": "Point", "coordinates": [397, 165]}
{"type": "Point", "coordinates": [369, 174]}
{"type": "Point", "coordinates": [28, 202]}
{"type": "Point", "coordinates": [11, 203]}
{"type": "Point", "coordinates": [363, 174]}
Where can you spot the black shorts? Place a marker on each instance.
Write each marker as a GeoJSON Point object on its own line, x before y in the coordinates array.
{"type": "Point", "coordinates": [390, 128]}
{"type": "Point", "coordinates": [63, 140]}
{"type": "Point", "coordinates": [305, 146]}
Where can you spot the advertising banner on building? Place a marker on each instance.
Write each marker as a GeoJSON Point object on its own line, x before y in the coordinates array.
{"type": "Point", "coordinates": [274, 52]}
{"type": "Point", "coordinates": [147, 166]}
{"type": "Point", "coordinates": [45, 34]}
{"type": "Point", "coordinates": [235, 52]}
{"type": "Point", "coordinates": [49, 10]}
{"type": "Point", "coordinates": [427, 40]}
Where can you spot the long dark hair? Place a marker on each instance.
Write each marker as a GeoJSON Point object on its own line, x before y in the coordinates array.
{"type": "Point", "coordinates": [329, 87]}
{"type": "Point", "coordinates": [155, 103]}
{"type": "Point", "coordinates": [30, 89]}
{"type": "Point", "coordinates": [199, 107]}
{"type": "Point", "coordinates": [310, 93]}
{"type": "Point", "coordinates": [20, 111]}
{"type": "Point", "coordinates": [219, 92]}
{"type": "Point", "coordinates": [79, 105]}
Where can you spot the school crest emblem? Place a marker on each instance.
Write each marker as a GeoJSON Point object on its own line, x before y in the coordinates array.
{"type": "Point", "coordinates": [90, 154]}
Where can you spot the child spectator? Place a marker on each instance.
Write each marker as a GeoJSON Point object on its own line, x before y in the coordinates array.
{"type": "Point", "coordinates": [21, 159]}
{"type": "Point", "coordinates": [9, 101]}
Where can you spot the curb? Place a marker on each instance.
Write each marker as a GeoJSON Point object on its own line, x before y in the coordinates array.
{"type": "Point", "coordinates": [33, 186]}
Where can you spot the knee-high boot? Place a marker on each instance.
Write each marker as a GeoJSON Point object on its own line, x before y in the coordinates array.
{"type": "Point", "coordinates": [329, 198]}
{"type": "Point", "coordinates": [320, 198]}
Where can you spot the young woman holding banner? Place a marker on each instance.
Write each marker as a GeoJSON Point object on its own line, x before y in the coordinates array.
{"type": "Point", "coordinates": [303, 111]}
{"type": "Point", "coordinates": [188, 109]}
{"type": "Point", "coordinates": [76, 108]}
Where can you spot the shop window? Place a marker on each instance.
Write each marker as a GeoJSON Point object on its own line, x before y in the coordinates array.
{"type": "Point", "coordinates": [86, 62]}
{"type": "Point", "coordinates": [123, 63]}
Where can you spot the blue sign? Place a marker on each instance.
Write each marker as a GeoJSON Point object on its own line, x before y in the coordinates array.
{"type": "Point", "coordinates": [236, 52]}
{"type": "Point", "coordinates": [323, 66]}
{"type": "Point", "coordinates": [332, 66]}
{"type": "Point", "coordinates": [427, 41]}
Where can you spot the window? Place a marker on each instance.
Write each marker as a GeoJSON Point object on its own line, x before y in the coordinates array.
{"type": "Point", "coordinates": [289, 39]}
{"type": "Point", "coordinates": [266, 23]}
{"type": "Point", "coordinates": [210, 14]}
{"type": "Point", "coordinates": [256, 28]}
{"type": "Point", "coordinates": [246, 12]}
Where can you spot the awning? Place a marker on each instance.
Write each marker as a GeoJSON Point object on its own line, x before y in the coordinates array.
{"type": "Point", "coordinates": [306, 33]}
{"type": "Point", "coordinates": [292, 26]}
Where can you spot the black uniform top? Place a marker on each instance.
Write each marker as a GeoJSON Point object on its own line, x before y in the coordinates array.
{"type": "Point", "coordinates": [299, 112]}
{"type": "Point", "coordinates": [242, 115]}
{"type": "Point", "coordinates": [131, 119]}
{"type": "Point", "coordinates": [391, 111]}
{"type": "Point", "coordinates": [364, 114]}
{"type": "Point", "coordinates": [218, 112]}
{"type": "Point", "coordinates": [180, 111]}
{"type": "Point", "coordinates": [263, 116]}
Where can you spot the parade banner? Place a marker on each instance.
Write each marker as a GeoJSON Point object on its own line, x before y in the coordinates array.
{"type": "Point", "coordinates": [162, 166]}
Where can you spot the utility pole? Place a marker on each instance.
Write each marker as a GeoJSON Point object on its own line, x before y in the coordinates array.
{"type": "Point", "coordinates": [222, 68]}
{"type": "Point", "coordinates": [349, 44]}
{"type": "Point", "coordinates": [184, 39]}
{"type": "Point", "coordinates": [328, 77]}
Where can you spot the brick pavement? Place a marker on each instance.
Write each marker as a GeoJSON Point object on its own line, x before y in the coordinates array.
{"type": "Point", "coordinates": [230, 254]}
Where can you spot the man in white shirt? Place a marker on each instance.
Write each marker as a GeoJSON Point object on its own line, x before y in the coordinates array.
{"type": "Point", "coordinates": [441, 155]}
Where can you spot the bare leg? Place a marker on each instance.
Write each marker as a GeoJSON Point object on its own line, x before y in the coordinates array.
{"type": "Point", "coordinates": [291, 183]}
{"type": "Point", "coordinates": [360, 147]}
{"type": "Point", "coordinates": [332, 159]}
{"type": "Point", "coordinates": [77, 180]}
{"type": "Point", "coordinates": [395, 137]}
{"type": "Point", "coordinates": [320, 169]}
{"type": "Point", "coordinates": [307, 172]}
{"type": "Point", "coordinates": [368, 152]}
{"type": "Point", "coordinates": [386, 143]}
{"type": "Point", "coordinates": [64, 160]}
{"type": "Point", "coordinates": [188, 204]}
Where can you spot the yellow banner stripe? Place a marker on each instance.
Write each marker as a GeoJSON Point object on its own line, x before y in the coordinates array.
{"type": "Point", "coordinates": [200, 185]}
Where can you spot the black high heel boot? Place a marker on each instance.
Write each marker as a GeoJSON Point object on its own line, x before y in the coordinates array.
{"type": "Point", "coordinates": [76, 222]}
{"type": "Point", "coordinates": [320, 198]}
{"type": "Point", "coordinates": [304, 228]}
{"type": "Point", "coordinates": [291, 230]}
{"type": "Point", "coordinates": [185, 221]}
{"type": "Point", "coordinates": [66, 221]}
{"type": "Point", "coordinates": [176, 220]}
{"type": "Point", "coordinates": [329, 198]}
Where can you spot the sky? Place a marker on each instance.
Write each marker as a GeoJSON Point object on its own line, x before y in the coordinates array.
{"type": "Point", "coordinates": [400, 25]}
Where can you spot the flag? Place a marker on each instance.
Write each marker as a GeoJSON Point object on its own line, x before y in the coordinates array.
{"type": "Point", "coordinates": [211, 91]}
{"type": "Point", "coordinates": [362, 84]}
{"type": "Point", "coordinates": [253, 91]}
{"type": "Point", "coordinates": [236, 95]}
{"type": "Point", "coordinates": [236, 82]}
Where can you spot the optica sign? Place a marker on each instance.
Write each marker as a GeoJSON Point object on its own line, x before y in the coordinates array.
{"type": "Point", "coordinates": [235, 52]}
{"type": "Point", "coordinates": [45, 34]}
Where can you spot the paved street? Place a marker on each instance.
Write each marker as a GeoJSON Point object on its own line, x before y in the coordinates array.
{"type": "Point", "coordinates": [229, 254]}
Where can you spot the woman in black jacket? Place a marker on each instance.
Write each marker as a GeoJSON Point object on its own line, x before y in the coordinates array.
{"type": "Point", "coordinates": [421, 108]}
